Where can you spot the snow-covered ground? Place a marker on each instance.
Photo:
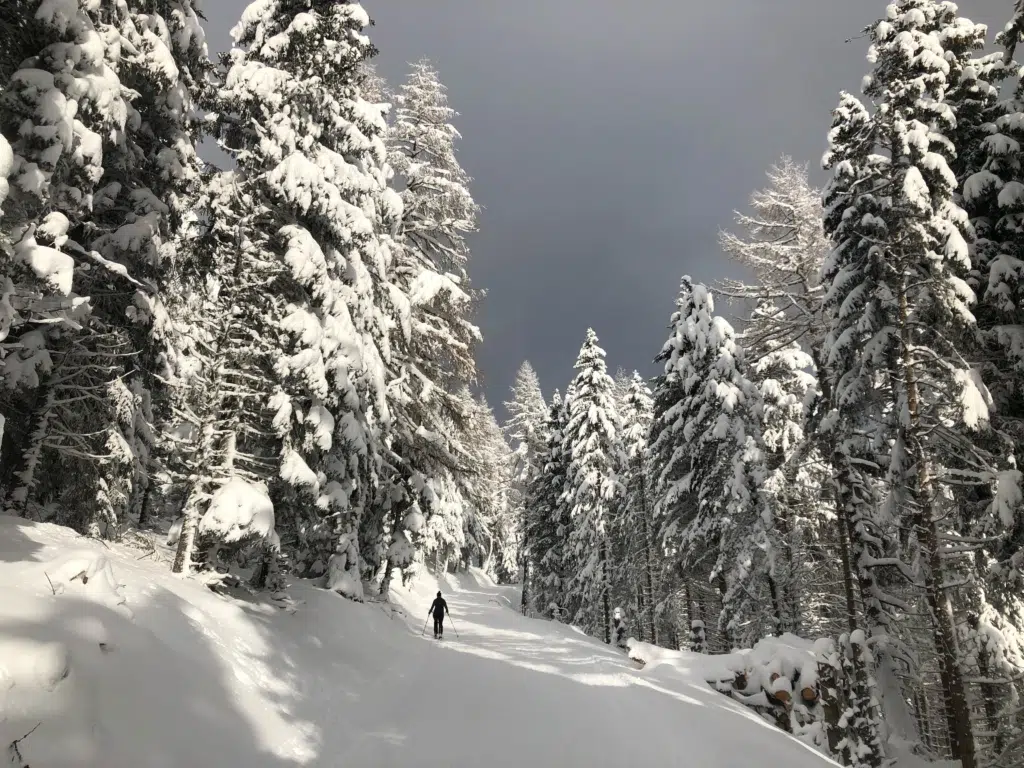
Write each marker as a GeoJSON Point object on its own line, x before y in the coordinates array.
{"type": "Point", "coordinates": [132, 667]}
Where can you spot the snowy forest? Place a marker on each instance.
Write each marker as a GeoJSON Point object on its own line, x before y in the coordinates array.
{"type": "Point", "coordinates": [274, 362]}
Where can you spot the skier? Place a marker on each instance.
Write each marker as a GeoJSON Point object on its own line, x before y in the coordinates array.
{"type": "Point", "coordinates": [438, 608]}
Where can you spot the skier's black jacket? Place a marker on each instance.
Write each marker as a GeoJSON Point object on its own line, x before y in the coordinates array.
{"type": "Point", "coordinates": [438, 607]}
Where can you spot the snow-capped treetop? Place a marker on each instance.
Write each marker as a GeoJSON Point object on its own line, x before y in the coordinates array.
{"type": "Point", "coordinates": [636, 411]}
{"type": "Point", "coordinates": [593, 422]}
{"type": "Point", "coordinates": [1012, 34]}
{"type": "Point", "coordinates": [324, 154]}
{"type": "Point", "coordinates": [992, 192]}
{"type": "Point", "coordinates": [439, 210]}
{"type": "Point", "coordinates": [785, 239]}
{"type": "Point", "coordinates": [783, 244]}
{"type": "Point", "coordinates": [525, 426]}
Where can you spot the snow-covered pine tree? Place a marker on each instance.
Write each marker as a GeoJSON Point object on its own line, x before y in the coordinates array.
{"type": "Point", "coordinates": [990, 169]}
{"type": "Point", "coordinates": [443, 530]}
{"type": "Point", "coordinates": [434, 355]}
{"type": "Point", "coordinates": [149, 184]}
{"type": "Point", "coordinates": [524, 429]}
{"type": "Point", "coordinates": [547, 516]}
{"type": "Point", "coordinates": [898, 303]}
{"type": "Point", "coordinates": [706, 447]}
{"type": "Point", "coordinates": [636, 520]}
{"type": "Point", "coordinates": [137, 167]}
{"type": "Point", "coordinates": [592, 487]}
{"type": "Point", "coordinates": [849, 433]}
{"type": "Point", "coordinates": [57, 137]}
{"type": "Point", "coordinates": [787, 391]}
{"type": "Point", "coordinates": [439, 210]}
{"type": "Point", "coordinates": [492, 535]}
{"type": "Point", "coordinates": [228, 407]}
{"type": "Point", "coordinates": [783, 243]}
{"type": "Point", "coordinates": [311, 157]}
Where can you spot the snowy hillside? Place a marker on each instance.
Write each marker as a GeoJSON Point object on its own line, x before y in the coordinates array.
{"type": "Point", "coordinates": [107, 659]}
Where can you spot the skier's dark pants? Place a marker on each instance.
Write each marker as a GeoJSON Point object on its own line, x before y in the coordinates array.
{"type": "Point", "coordinates": [438, 625]}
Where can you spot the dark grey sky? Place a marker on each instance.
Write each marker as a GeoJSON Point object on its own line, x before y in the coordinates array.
{"type": "Point", "coordinates": [610, 141]}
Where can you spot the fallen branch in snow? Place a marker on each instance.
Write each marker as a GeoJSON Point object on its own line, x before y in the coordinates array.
{"type": "Point", "coordinates": [15, 753]}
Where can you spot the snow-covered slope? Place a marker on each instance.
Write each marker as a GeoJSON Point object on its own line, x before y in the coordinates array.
{"type": "Point", "coordinates": [131, 667]}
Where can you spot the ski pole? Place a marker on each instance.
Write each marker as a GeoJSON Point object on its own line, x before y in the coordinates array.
{"type": "Point", "coordinates": [424, 630]}
{"type": "Point", "coordinates": [453, 627]}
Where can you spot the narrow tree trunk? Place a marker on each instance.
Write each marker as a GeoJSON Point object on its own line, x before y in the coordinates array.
{"type": "Point", "coordinates": [832, 699]}
{"type": "Point", "coordinates": [525, 557]}
{"type": "Point", "coordinates": [925, 718]}
{"type": "Point", "coordinates": [642, 636]}
{"type": "Point", "coordinates": [790, 594]}
{"type": "Point", "coordinates": [941, 610]}
{"type": "Point", "coordinates": [727, 641]}
{"type": "Point", "coordinates": [842, 480]}
{"type": "Point", "coordinates": [146, 510]}
{"type": "Point", "coordinates": [396, 530]}
{"type": "Point", "coordinates": [25, 478]}
{"type": "Point", "coordinates": [190, 523]}
{"type": "Point", "coordinates": [606, 588]}
{"type": "Point", "coordinates": [187, 538]}
{"type": "Point", "coordinates": [773, 594]}
{"type": "Point", "coordinates": [648, 576]}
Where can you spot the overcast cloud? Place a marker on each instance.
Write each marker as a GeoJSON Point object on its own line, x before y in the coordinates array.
{"type": "Point", "coordinates": [610, 142]}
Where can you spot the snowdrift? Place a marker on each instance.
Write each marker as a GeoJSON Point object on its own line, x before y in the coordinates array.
{"type": "Point", "coordinates": [107, 660]}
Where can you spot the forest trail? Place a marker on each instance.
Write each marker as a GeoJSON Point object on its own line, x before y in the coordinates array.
{"type": "Point", "coordinates": [138, 668]}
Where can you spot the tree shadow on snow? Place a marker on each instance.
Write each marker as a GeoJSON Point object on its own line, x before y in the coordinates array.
{"type": "Point", "coordinates": [148, 692]}
{"type": "Point", "coordinates": [15, 543]}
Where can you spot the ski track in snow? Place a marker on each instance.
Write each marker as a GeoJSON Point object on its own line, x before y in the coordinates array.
{"type": "Point", "coordinates": [200, 680]}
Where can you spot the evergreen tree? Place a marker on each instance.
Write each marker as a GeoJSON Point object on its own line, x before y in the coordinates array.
{"type": "Point", "coordinates": [439, 210]}
{"type": "Point", "coordinates": [312, 162]}
{"type": "Point", "coordinates": [116, 177]}
{"type": "Point", "coordinates": [57, 138]}
{"type": "Point", "coordinates": [636, 520]}
{"type": "Point", "coordinates": [524, 429]}
{"type": "Point", "coordinates": [990, 169]}
{"type": "Point", "coordinates": [546, 516]}
{"type": "Point", "coordinates": [433, 351]}
{"type": "Point", "coordinates": [898, 305]}
{"type": "Point", "coordinates": [592, 487]}
{"type": "Point", "coordinates": [491, 530]}
{"type": "Point", "coordinates": [229, 408]}
{"type": "Point", "coordinates": [707, 449]}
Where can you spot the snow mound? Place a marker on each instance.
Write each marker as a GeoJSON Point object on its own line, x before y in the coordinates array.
{"type": "Point", "coordinates": [788, 656]}
{"type": "Point", "coordinates": [239, 511]}
{"type": "Point", "coordinates": [89, 575]}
